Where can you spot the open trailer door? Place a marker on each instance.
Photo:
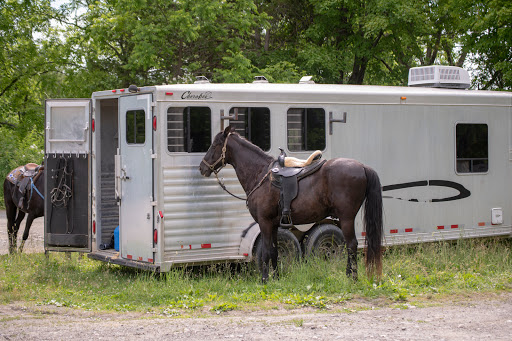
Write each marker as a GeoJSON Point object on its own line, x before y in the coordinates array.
{"type": "Point", "coordinates": [134, 178]}
{"type": "Point", "coordinates": [67, 175]}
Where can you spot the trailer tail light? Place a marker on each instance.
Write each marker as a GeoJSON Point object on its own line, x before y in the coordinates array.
{"type": "Point", "coordinates": [154, 123]}
{"type": "Point", "coordinates": [155, 236]}
{"type": "Point", "coordinates": [94, 227]}
{"type": "Point", "coordinates": [169, 93]}
{"type": "Point", "coordinates": [93, 125]}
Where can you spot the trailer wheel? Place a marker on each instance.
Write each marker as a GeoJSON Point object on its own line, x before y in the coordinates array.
{"type": "Point", "coordinates": [288, 249]}
{"type": "Point", "coordinates": [324, 241]}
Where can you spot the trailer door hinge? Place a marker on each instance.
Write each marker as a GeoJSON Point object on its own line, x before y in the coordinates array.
{"type": "Point", "coordinates": [153, 203]}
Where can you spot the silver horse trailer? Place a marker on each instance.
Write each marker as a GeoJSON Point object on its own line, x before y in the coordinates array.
{"type": "Point", "coordinates": [130, 157]}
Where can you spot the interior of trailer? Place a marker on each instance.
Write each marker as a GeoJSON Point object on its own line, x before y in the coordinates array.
{"type": "Point", "coordinates": [107, 209]}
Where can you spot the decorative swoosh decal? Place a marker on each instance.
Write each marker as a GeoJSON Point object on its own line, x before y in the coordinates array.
{"type": "Point", "coordinates": [463, 191]}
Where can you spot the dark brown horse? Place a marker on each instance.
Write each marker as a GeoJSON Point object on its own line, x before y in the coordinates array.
{"type": "Point", "coordinates": [18, 204]}
{"type": "Point", "coordinates": [338, 189]}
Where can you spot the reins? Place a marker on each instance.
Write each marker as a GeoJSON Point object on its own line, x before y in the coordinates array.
{"type": "Point", "coordinates": [222, 159]}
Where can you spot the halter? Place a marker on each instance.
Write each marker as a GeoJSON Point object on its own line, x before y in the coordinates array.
{"type": "Point", "coordinates": [221, 158]}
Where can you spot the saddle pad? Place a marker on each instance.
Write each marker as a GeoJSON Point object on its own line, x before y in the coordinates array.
{"type": "Point", "coordinates": [15, 175]}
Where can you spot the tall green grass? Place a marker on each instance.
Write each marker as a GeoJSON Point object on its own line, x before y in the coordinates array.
{"type": "Point", "coordinates": [410, 272]}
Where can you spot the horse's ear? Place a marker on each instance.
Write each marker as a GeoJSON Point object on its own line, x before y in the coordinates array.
{"type": "Point", "coordinates": [228, 130]}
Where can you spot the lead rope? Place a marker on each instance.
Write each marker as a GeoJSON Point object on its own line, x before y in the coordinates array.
{"type": "Point", "coordinates": [221, 184]}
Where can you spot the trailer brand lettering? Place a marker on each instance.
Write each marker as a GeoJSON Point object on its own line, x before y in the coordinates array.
{"type": "Point", "coordinates": [200, 96]}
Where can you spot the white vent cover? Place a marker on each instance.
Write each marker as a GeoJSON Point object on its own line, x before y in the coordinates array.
{"type": "Point", "coordinates": [439, 76]}
{"type": "Point", "coordinates": [260, 79]}
{"type": "Point", "coordinates": [201, 80]}
{"type": "Point", "coordinates": [307, 80]}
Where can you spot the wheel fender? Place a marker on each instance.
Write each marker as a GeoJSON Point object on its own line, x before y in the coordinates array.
{"type": "Point", "coordinates": [248, 243]}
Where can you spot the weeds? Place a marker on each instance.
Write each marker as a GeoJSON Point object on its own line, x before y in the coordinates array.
{"type": "Point", "coordinates": [423, 270]}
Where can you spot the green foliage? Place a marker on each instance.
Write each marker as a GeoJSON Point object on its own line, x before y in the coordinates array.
{"type": "Point", "coordinates": [411, 273]}
{"type": "Point", "coordinates": [490, 40]}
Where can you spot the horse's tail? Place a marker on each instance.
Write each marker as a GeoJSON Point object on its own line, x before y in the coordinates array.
{"type": "Point", "coordinates": [373, 223]}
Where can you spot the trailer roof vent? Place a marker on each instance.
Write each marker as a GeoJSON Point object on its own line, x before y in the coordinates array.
{"type": "Point", "coordinates": [439, 76]}
{"type": "Point", "coordinates": [260, 79]}
{"type": "Point", "coordinates": [307, 80]}
{"type": "Point", "coordinates": [201, 80]}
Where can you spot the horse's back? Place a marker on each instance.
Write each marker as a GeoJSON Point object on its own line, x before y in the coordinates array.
{"type": "Point", "coordinates": [344, 168]}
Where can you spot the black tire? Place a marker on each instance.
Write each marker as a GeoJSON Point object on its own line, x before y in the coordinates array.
{"type": "Point", "coordinates": [324, 241]}
{"type": "Point", "coordinates": [288, 248]}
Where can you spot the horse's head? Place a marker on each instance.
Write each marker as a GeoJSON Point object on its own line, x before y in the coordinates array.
{"type": "Point", "coordinates": [215, 157]}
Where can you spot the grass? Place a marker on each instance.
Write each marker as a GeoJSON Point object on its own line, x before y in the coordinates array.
{"type": "Point", "coordinates": [410, 273]}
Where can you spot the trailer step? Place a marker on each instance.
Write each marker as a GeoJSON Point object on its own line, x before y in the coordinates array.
{"type": "Point", "coordinates": [112, 256]}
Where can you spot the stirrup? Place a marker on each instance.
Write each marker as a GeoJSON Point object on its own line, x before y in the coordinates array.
{"type": "Point", "coordinates": [286, 221]}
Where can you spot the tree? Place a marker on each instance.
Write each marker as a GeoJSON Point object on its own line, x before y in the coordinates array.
{"type": "Point", "coordinates": [159, 41]}
{"type": "Point", "coordinates": [27, 56]}
{"type": "Point", "coordinates": [489, 39]}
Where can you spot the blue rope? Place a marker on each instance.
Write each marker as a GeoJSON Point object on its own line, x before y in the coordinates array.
{"type": "Point", "coordinates": [32, 186]}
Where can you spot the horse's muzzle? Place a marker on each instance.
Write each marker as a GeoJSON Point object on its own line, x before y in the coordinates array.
{"type": "Point", "coordinates": [205, 171]}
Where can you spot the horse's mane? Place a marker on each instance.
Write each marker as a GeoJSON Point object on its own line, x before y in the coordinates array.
{"type": "Point", "coordinates": [252, 147]}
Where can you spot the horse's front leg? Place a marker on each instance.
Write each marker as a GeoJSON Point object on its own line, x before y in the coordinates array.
{"type": "Point", "coordinates": [28, 224]}
{"type": "Point", "coordinates": [268, 250]}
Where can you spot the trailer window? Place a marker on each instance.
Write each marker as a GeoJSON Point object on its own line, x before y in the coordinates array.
{"type": "Point", "coordinates": [472, 145]}
{"type": "Point", "coordinates": [135, 127]}
{"type": "Point", "coordinates": [253, 124]}
{"type": "Point", "coordinates": [306, 129]}
{"type": "Point", "coordinates": [189, 129]}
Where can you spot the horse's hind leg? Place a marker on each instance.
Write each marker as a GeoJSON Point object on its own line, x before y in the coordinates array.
{"type": "Point", "coordinates": [347, 227]}
{"type": "Point", "coordinates": [273, 253]}
{"type": "Point", "coordinates": [28, 224]}
{"type": "Point", "coordinates": [11, 232]}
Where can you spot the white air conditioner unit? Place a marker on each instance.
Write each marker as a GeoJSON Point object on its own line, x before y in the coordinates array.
{"type": "Point", "coordinates": [439, 76]}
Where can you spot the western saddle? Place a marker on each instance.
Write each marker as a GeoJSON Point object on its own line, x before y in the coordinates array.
{"type": "Point", "coordinates": [286, 172]}
{"type": "Point", "coordinates": [22, 177]}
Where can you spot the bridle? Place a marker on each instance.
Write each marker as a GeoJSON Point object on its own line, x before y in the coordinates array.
{"type": "Point", "coordinates": [222, 159]}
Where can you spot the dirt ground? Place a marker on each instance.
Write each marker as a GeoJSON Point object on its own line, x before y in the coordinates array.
{"type": "Point", "coordinates": [35, 241]}
{"type": "Point", "coordinates": [479, 317]}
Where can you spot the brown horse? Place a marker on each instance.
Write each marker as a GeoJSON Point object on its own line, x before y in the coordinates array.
{"type": "Point", "coordinates": [338, 189]}
{"type": "Point", "coordinates": [18, 204]}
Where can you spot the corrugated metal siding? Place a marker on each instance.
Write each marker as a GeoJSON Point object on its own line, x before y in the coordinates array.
{"type": "Point", "coordinates": [109, 208]}
{"type": "Point", "coordinates": [201, 221]}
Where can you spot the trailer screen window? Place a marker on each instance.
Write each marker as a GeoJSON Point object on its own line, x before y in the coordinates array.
{"type": "Point", "coordinates": [189, 129]}
{"type": "Point", "coordinates": [306, 129]}
{"type": "Point", "coordinates": [253, 124]}
{"type": "Point", "coordinates": [135, 127]}
{"type": "Point", "coordinates": [472, 145]}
